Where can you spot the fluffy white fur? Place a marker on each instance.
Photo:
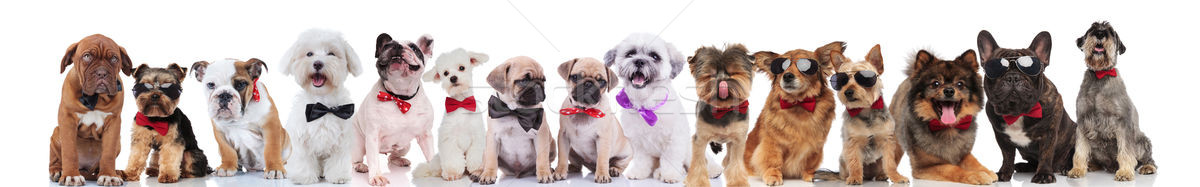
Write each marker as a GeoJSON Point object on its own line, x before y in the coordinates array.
{"type": "Point", "coordinates": [320, 149]}
{"type": "Point", "coordinates": [461, 135]}
{"type": "Point", "coordinates": [382, 128]}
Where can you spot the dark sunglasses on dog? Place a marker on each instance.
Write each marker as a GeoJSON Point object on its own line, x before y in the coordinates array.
{"type": "Point", "coordinates": [1029, 65]}
{"type": "Point", "coordinates": [806, 66]}
{"type": "Point", "coordinates": [864, 78]}
{"type": "Point", "coordinates": [169, 89]}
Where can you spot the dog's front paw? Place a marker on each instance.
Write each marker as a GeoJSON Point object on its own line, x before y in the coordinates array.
{"type": "Point", "coordinates": [55, 175]}
{"type": "Point", "coordinates": [979, 178]}
{"type": "Point", "coordinates": [603, 179]}
{"type": "Point", "coordinates": [560, 174]}
{"type": "Point", "coordinates": [132, 177]}
{"type": "Point", "coordinates": [545, 176]}
{"type": "Point", "coordinates": [399, 161]}
{"type": "Point", "coordinates": [696, 181]}
{"type": "Point", "coordinates": [378, 181]}
{"type": "Point", "coordinates": [638, 173]}
{"type": "Point", "coordinates": [165, 177]}
{"type": "Point", "coordinates": [669, 177]}
{"type": "Point", "coordinates": [360, 167]}
{"type": "Point", "coordinates": [1043, 178]}
{"type": "Point", "coordinates": [76, 180]}
{"type": "Point", "coordinates": [338, 180]}
{"type": "Point", "coordinates": [614, 171]}
{"type": "Point", "coordinates": [1003, 176]}
{"type": "Point", "coordinates": [854, 180]}
{"type": "Point", "coordinates": [1147, 169]}
{"type": "Point", "coordinates": [305, 179]}
{"type": "Point", "coordinates": [900, 179]}
{"type": "Point", "coordinates": [275, 174]}
{"type": "Point", "coordinates": [488, 177]}
{"type": "Point", "coordinates": [450, 175]}
{"type": "Point", "coordinates": [773, 179]}
{"type": "Point", "coordinates": [475, 174]}
{"type": "Point", "coordinates": [225, 172]}
{"type": "Point", "coordinates": [1077, 172]}
{"type": "Point", "coordinates": [109, 180]}
{"type": "Point", "coordinates": [1124, 175]}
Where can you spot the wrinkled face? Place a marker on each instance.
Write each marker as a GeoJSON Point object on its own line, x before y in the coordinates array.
{"type": "Point", "coordinates": [229, 85]}
{"type": "Point", "coordinates": [588, 79]}
{"type": "Point", "coordinates": [723, 78]}
{"type": "Point", "coordinates": [797, 73]}
{"type": "Point", "coordinates": [157, 89]}
{"type": "Point", "coordinates": [97, 61]}
{"type": "Point", "coordinates": [521, 79]}
{"type": "Point", "coordinates": [1100, 46]}
{"type": "Point", "coordinates": [320, 61]}
{"type": "Point", "coordinates": [642, 60]}
{"type": "Point", "coordinates": [946, 90]}
{"type": "Point", "coordinates": [400, 63]}
{"type": "Point", "coordinates": [454, 69]}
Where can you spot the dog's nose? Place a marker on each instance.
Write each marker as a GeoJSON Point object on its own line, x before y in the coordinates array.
{"type": "Point", "coordinates": [318, 65]}
{"type": "Point", "coordinates": [789, 77]}
{"type": "Point", "coordinates": [224, 98]}
{"type": "Point", "coordinates": [949, 92]}
{"type": "Point", "coordinates": [453, 79]}
{"type": "Point", "coordinates": [154, 96]}
{"type": "Point", "coordinates": [102, 73]}
{"type": "Point", "coordinates": [849, 93]}
{"type": "Point", "coordinates": [639, 63]}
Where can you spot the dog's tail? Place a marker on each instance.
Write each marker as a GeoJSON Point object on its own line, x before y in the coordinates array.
{"type": "Point", "coordinates": [827, 175]}
{"type": "Point", "coordinates": [716, 147]}
{"type": "Point", "coordinates": [432, 168]}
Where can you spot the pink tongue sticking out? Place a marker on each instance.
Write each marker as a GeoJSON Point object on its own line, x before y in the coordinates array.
{"type": "Point", "coordinates": [318, 81]}
{"type": "Point", "coordinates": [1098, 49]}
{"type": "Point", "coordinates": [948, 115]}
{"type": "Point", "coordinates": [723, 90]}
{"type": "Point", "coordinates": [639, 80]}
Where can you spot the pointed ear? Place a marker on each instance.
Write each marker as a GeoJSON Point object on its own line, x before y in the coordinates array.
{"type": "Point", "coordinates": [68, 58]}
{"type": "Point", "coordinates": [875, 57]}
{"type": "Point", "coordinates": [1041, 47]}
{"type": "Point", "coordinates": [968, 59]}
{"type": "Point", "coordinates": [677, 60]}
{"type": "Point", "coordinates": [179, 72]}
{"type": "Point", "coordinates": [836, 60]}
{"type": "Point", "coordinates": [382, 39]}
{"type": "Point", "coordinates": [256, 67]}
{"type": "Point", "coordinates": [762, 60]}
{"type": "Point", "coordinates": [564, 69]}
{"type": "Point", "coordinates": [354, 65]}
{"type": "Point", "coordinates": [922, 60]}
{"type": "Point", "coordinates": [198, 68]}
{"type": "Point", "coordinates": [126, 63]}
{"type": "Point", "coordinates": [829, 53]}
{"type": "Point", "coordinates": [426, 45]}
{"type": "Point", "coordinates": [498, 77]}
{"type": "Point", "coordinates": [610, 57]}
{"type": "Point", "coordinates": [432, 76]}
{"type": "Point", "coordinates": [477, 58]}
{"type": "Point", "coordinates": [612, 79]}
{"type": "Point", "coordinates": [137, 72]}
{"type": "Point", "coordinates": [987, 45]}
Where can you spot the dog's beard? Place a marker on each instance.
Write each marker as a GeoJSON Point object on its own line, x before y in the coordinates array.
{"type": "Point", "coordinates": [640, 77]}
{"type": "Point", "coordinates": [1100, 55]}
{"type": "Point", "coordinates": [162, 107]}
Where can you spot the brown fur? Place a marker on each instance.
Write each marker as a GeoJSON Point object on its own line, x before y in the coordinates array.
{"type": "Point", "coordinates": [710, 66]}
{"type": "Point", "coordinates": [869, 147]}
{"type": "Point", "coordinates": [170, 150]}
{"type": "Point", "coordinates": [72, 140]}
{"type": "Point", "coordinates": [275, 137]}
{"type": "Point", "coordinates": [613, 152]}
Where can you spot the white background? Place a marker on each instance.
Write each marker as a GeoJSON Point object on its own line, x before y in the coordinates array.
{"type": "Point", "coordinates": [1157, 68]}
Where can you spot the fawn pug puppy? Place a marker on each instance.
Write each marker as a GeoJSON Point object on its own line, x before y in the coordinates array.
{"type": "Point", "coordinates": [587, 136]}
{"type": "Point", "coordinates": [515, 140]}
{"type": "Point", "coordinates": [163, 128]}
{"type": "Point", "coordinates": [869, 147]}
{"type": "Point", "coordinates": [723, 79]}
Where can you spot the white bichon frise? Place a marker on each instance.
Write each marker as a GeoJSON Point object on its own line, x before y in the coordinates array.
{"type": "Point", "coordinates": [461, 135]}
{"type": "Point", "coordinates": [320, 120]}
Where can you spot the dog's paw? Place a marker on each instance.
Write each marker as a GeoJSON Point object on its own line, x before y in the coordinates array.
{"type": "Point", "coordinates": [108, 180]}
{"type": "Point", "coordinates": [399, 161]}
{"type": "Point", "coordinates": [338, 180]}
{"type": "Point", "coordinates": [378, 181]}
{"type": "Point", "coordinates": [1077, 173]}
{"type": "Point", "coordinates": [614, 171]}
{"type": "Point", "coordinates": [603, 179]}
{"type": "Point", "coordinates": [854, 180]}
{"type": "Point", "coordinates": [305, 180]}
{"type": "Point", "coordinates": [560, 174]}
{"type": "Point", "coordinates": [773, 180]}
{"type": "Point", "coordinates": [638, 173]}
{"type": "Point", "coordinates": [449, 175]}
{"type": "Point", "coordinates": [275, 174]}
{"type": "Point", "coordinates": [55, 175]}
{"type": "Point", "coordinates": [1004, 176]}
{"type": "Point", "coordinates": [474, 175]}
{"type": "Point", "coordinates": [668, 177]}
{"type": "Point", "coordinates": [132, 177]}
{"type": "Point", "coordinates": [488, 177]}
{"type": "Point", "coordinates": [152, 171]}
{"type": "Point", "coordinates": [76, 180]}
{"type": "Point", "coordinates": [696, 180]}
{"type": "Point", "coordinates": [979, 178]}
{"type": "Point", "coordinates": [1147, 169]}
{"type": "Point", "coordinates": [545, 176]}
{"type": "Point", "coordinates": [1043, 178]}
{"type": "Point", "coordinates": [361, 168]}
{"type": "Point", "coordinates": [899, 179]}
{"type": "Point", "coordinates": [1124, 175]}
{"type": "Point", "coordinates": [224, 172]}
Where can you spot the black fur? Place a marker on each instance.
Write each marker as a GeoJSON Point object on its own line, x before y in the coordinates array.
{"type": "Point", "coordinates": [186, 137]}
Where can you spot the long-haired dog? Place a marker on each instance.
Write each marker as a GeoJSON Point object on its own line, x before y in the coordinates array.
{"type": "Point", "coordinates": [653, 117]}
{"type": "Point", "coordinates": [518, 140]}
{"type": "Point", "coordinates": [460, 137]}
{"type": "Point", "coordinates": [162, 127]}
{"type": "Point", "coordinates": [934, 110]}
{"type": "Point", "coordinates": [1109, 137]}
{"type": "Point", "coordinates": [587, 137]}
{"type": "Point", "coordinates": [245, 121]}
{"type": "Point", "coordinates": [319, 122]}
{"type": "Point", "coordinates": [395, 111]}
{"type": "Point", "coordinates": [869, 147]}
{"type": "Point", "coordinates": [788, 138]}
{"type": "Point", "coordinates": [723, 80]}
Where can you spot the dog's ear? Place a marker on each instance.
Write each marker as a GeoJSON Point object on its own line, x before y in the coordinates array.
{"type": "Point", "coordinates": [477, 58]}
{"type": "Point", "coordinates": [126, 63]}
{"type": "Point", "coordinates": [987, 45]}
{"type": "Point", "coordinates": [761, 59]}
{"type": "Point", "coordinates": [137, 72]}
{"type": "Point", "coordinates": [611, 78]}
{"type": "Point", "coordinates": [68, 58]}
{"type": "Point", "coordinates": [498, 77]}
{"type": "Point", "coordinates": [921, 60]}
{"type": "Point", "coordinates": [677, 60]}
{"type": "Point", "coordinates": [432, 75]}
{"type": "Point", "coordinates": [564, 69]}
{"type": "Point", "coordinates": [828, 54]}
{"type": "Point", "coordinates": [740, 50]}
{"type": "Point", "coordinates": [256, 68]}
{"type": "Point", "coordinates": [968, 59]}
{"type": "Point", "coordinates": [1079, 41]}
{"type": "Point", "coordinates": [610, 57]}
{"type": "Point", "coordinates": [382, 39]}
{"type": "Point", "coordinates": [289, 57]}
{"type": "Point", "coordinates": [179, 72]}
{"type": "Point", "coordinates": [354, 65]}
{"type": "Point", "coordinates": [426, 45]}
{"type": "Point", "coordinates": [837, 60]}
{"type": "Point", "coordinates": [198, 69]}
{"type": "Point", "coordinates": [1117, 38]}
{"type": "Point", "coordinates": [875, 57]}
{"type": "Point", "coordinates": [1041, 47]}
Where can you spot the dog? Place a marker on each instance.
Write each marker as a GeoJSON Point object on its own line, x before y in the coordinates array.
{"type": "Point", "coordinates": [788, 138]}
{"type": "Point", "coordinates": [515, 141]}
{"type": "Point", "coordinates": [86, 142]}
{"type": "Point", "coordinates": [723, 80]}
{"type": "Point", "coordinates": [162, 127]}
{"type": "Point", "coordinates": [934, 109]}
{"type": "Point", "coordinates": [587, 136]}
{"type": "Point", "coordinates": [395, 111]}
{"type": "Point", "coordinates": [1025, 108]}
{"type": "Point", "coordinates": [1108, 136]}
{"type": "Point", "coordinates": [245, 122]}
{"type": "Point", "coordinates": [653, 118]}
{"type": "Point", "coordinates": [319, 62]}
{"type": "Point", "coordinates": [869, 147]}
{"type": "Point", "coordinates": [460, 143]}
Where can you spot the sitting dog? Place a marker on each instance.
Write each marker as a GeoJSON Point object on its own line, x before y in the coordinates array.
{"type": "Point", "coordinates": [86, 142]}
{"type": "Point", "coordinates": [320, 121]}
{"type": "Point", "coordinates": [1025, 108]}
{"type": "Point", "coordinates": [869, 147]}
{"type": "Point", "coordinates": [1108, 137]}
{"type": "Point", "coordinates": [788, 138]}
{"type": "Point", "coordinates": [396, 111]}
{"type": "Point", "coordinates": [587, 136]}
{"type": "Point", "coordinates": [723, 80]}
{"type": "Point", "coordinates": [460, 143]}
{"type": "Point", "coordinates": [515, 141]}
{"type": "Point", "coordinates": [245, 121]}
{"type": "Point", "coordinates": [653, 117]}
{"type": "Point", "coordinates": [162, 127]}
{"type": "Point", "coordinates": [934, 110]}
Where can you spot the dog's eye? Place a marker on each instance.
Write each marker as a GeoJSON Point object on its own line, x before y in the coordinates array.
{"type": "Point", "coordinates": [241, 85]}
{"type": "Point", "coordinates": [601, 82]}
{"type": "Point", "coordinates": [330, 54]}
{"type": "Point", "coordinates": [112, 59]}
{"type": "Point", "coordinates": [655, 56]}
{"type": "Point", "coordinates": [147, 85]}
{"type": "Point", "coordinates": [87, 57]}
{"type": "Point", "coordinates": [574, 78]}
{"type": "Point", "coordinates": [936, 83]}
{"type": "Point", "coordinates": [461, 68]}
{"type": "Point", "coordinates": [211, 86]}
{"type": "Point", "coordinates": [446, 73]}
{"type": "Point", "coordinates": [959, 84]}
{"type": "Point", "coordinates": [630, 53]}
{"type": "Point", "coordinates": [308, 54]}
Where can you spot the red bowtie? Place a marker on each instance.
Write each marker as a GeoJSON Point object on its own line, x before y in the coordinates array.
{"type": "Point", "coordinates": [468, 103]}
{"type": "Point", "coordinates": [595, 113]}
{"type": "Point", "coordinates": [808, 104]}
{"type": "Point", "coordinates": [963, 123]}
{"type": "Point", "coordinates": [404, 105]}
{"type": "Point", "coordinates": [741, 108]}
{"type": "Point", "coordinates": [254, 96]}
{"type": "Point", "coordinates": [854, 111]}
{"type": "Point", "coordinates": [1035, 112]}
{"type": "Point", "coordinates": [1110, 72]}
{"type": "Point", "coordinates": [160, 126]}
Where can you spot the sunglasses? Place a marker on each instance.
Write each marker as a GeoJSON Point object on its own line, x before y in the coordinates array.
{"type": "Point", "coordinates": [864, 78]}
{"type": "Point", "coordinates": [1028, 65]}
{"type": "Point", "coordinates": [169, 89]}
{"type": "Point", "coordinates": [806, 66]}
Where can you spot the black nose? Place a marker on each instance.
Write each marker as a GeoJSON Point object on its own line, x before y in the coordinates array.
{"type": "Point", "coordinates": [224, 98]}
{"type": "Point", "coordinates": [318, 65]}
{"type": "Point", "coordinates": [639, 63]}
{"type": "Point", "coordinates": [454, 79]}
{"type": "Point", "coordinates": [849, 93]}
{"type": "Point", "coordinates": [789, 77]}
{"type": "Point", "coordinates": [154, 96]}
{"type": "Point", "coordinates": [949, 92]}
{"type": "Point", "coordinates": [1101, 34]}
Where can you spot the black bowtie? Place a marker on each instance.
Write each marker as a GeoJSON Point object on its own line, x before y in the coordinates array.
{"type": "Point", "coordinates": [89, 101]}
{"type": "Point", "coordinates": [316, 110]}
{"type": "Point", "coordinates": [529, 118]}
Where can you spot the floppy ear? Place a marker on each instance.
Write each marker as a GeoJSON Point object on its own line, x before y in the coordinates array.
{"type": "Point", "coordinates": [198, 69]}
{"type": "Point", "coordinates": [180, 72]}
{"type": "Point", "coordinates": [740, 50]}
{"type": "Point", "coordinates": [137, 72]}
{"type": "Point", "coordinates": [987, 45]}
{"type": "Point", "coordinates": [477, 58]}
{"type": "Point", "coordinates": [968, 59]}
{"type": "Point", "coordinates": [426, 45]}
{"type": "Point", "coordinates": [609, 57]}
{"type": "Point", "coordinates": [432, 76]}
{"type": "Point", "coordinates": [826, 55]}
{"type": "Point", "coordinates": [383, 38]}
{"type": "Point", "coordinates": [256, 68]}
{"type": "Point", "coordinates": [761, 59]}
{"type": "Point", "coordinates": [1079, 42]}
{"type": "Point", "coordinates": [354, 65]}
{"type": "Point", "coordinates": [1041, 47]}
{"type": "Point", "coordinates": [677, 60]}
{"type": "Point", "coordinates": [611, 77]}
{"type": "Point", "coordinates": [922, 60]}
{"type": "Point", "coordinates": [497, 77]}
{"type": "Point", "coordinates": [875, 57]}
{"type": "Point", "coordinates": [126, 63]}
{"type": "Point", "coordinates": [68, 58]}
{"type": "Point", "coordinates": [290, 56]}
{"type": "Point", "coordinates": [564, 69]}
{"type": "Point", "coordinates": [1120, 45]}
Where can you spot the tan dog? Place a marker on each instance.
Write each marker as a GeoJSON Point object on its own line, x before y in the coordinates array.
{"type": "Point", "coordinates": [723, 79]}
{"type": "Point", "coordinates": [869, 147]}
{"type": "Point", "coordinates": [789, 136]}
{"type": "Point", "coordinates": [588, 136]}
{"type": "Point", "coordinates": [86, 142]}
{"type": "Point", "coordinates": [162, 127]}
{"type": "Point", "coordinates": [516, 140]}
{"type": "Point", "coordinates": [245, 121]}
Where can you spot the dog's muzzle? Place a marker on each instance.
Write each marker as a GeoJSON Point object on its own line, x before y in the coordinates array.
{"type": "Point", "coordinates": [531, 94]}
{"type": "Point", "coordinates": [1014, 93]}
{"type": "Point", "coordinates": [586, 93]}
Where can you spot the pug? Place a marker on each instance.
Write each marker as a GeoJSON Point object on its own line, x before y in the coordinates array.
{"type": "Point", "coordinates": [587, 135]}
{"type": "Point", "coordinates": [516, 140]}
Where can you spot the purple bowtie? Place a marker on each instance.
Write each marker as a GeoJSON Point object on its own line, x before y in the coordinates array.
{"type": "Point", "coordinates": [647, 113]}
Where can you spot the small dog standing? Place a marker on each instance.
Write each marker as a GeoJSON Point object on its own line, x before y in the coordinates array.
{"type": "Point", "coordinates": [587, 137]}
{"type": "Point", "coordinates": [86, 142]}
{"type": "Point", "coordinates": [515, 140]}
{"type": "Point", "coordinates": [869, 147]}
{"type": "Point", "coordinates": [1108, 135]}
{"type": "Point", "coordinates": [162, 127]}
{"type": "Point", "coordinates": [460, 137]}
{"type": "Point", "coordinates": [723, 80]}
{"type": "Point", "coordinates": [247, 128]}
{"type": "Point", "coordinates": [320, 118]}
{"type": "Point", "coordinates": [395, 112]}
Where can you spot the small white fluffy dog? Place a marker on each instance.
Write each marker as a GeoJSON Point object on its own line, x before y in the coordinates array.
{"type": "Point", "coordinates": [320, 120]}
{"type": "Point", "coordinates": [653, 118]}
{"type": "Point", "coordinates": [460, 138]}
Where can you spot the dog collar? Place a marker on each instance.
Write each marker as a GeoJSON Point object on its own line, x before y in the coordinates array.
{"type": "Point", "coordinates": [89, 101]}
{"type": "Point", "coordinates": [741, 108]}
{"type": "Point", "coordinates": [1035, 112]}
{"type": "Point", "coordinates": [528, 118]}
{"type": "Point", "coordinates": [647, 113]}
{"type": "Point", "coordinates": [808, 103]}
{"type": "Point", "coordinates": [467, 103]}
{"type": "Point", "coordinates": [159, 126]}
{"type": "Point", "coordinates": [255, 94]}
{"type": "Point", "coordinates": [963, 124]}
{"type": "Point", "coordinates": [317, 110]}
{"type": "Point", "coordinates": [387, 96]}
{"type": "Point", "coordinates": [403, 97]}
{"type": "Point", "coordinates": [1100, 74]}
{"type": "Point", "coordinates": [877, 105]}
{"type": "Point", "coordinates": [595, 113]}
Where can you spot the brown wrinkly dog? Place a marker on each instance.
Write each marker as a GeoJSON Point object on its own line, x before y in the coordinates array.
{"type": "Point", "coordinates": [869, 147]}
{"type": "Point", "coordinates": [788, 138]}
{"type": "Point", "coordinates": [597, 143]}
{"type": "Point", "coordinates": [176, 153]}
{"type": "Point", "coordinates": [86, 142]}
{"type": "Point", "coordinates": [723, 80]}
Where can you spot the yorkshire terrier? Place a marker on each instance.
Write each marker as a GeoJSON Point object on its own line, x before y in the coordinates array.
{"type": "Point", "coordinates": [161, 126]}
{"type": "Point", "coordinates": [869, 147]}
{"type": "Point", "coordinates": [723, 85]}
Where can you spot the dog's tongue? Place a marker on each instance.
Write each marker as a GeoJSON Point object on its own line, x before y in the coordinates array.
{"type": "Point", "coordinates": [948, 115]}
{"type": "Point", "coordinates": [723, 90]}
{"type": "Point", "coordinates": [318, 81]}
{"type": "Point", "coordinates": [1098, 49]}
{"type": "Point", "coordinates": [639, 80]}
{"type": "Point", "coordinates": [394, 66]}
